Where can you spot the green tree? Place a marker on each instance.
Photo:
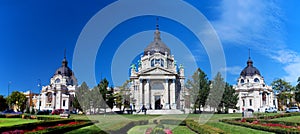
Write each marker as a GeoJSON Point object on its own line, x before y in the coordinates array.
{"type": "Point", "coordinates": [125, 93]}
{"type": "Point", "coordinates": [3, 104]}
{"type": "Point", "coordinates": [297, 93]}
{"type": "Point", "coordinates": [17, 99]}
{"type": "Point", "coordinates": [76, 104]}
{"type": "Point", "coordinates": [110, 98]}
{"type": "Point", "coordinates": [103, 86]}
{"type": "Point", "coordinates": [283, 89]}
{"type": "Point", "coordinates": [82, 94]}
{"type": "Point", "coordinates": [229, 98]}
{"type": "Point", "coordinates": [199, 89]}
{"type": "Point", "coordinates": [216, 92]}
{"type": "Point", "coordinates": [119, 100]}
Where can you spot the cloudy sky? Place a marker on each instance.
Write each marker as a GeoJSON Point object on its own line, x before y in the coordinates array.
{"type": "Point", "coordinates": [34, 34]}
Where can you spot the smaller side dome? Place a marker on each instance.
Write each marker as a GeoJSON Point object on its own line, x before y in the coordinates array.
{"type": "Point", "coordinates": [250, 70]}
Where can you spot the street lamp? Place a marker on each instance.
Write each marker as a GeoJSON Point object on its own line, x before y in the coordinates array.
{"type": "Point", "coordinates": [9, 83]}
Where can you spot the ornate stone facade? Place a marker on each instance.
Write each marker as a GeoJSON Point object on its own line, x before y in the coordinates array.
{"type": "Point", "coordinates": [157, 82]}
{"type": "Point", "coordinates": [60, 93]}
{"type": "Point", "coordinates": [252, 91]}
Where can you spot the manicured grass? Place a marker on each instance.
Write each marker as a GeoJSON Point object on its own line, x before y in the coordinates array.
{"type": "Point", "coordinates": [289, 119]}
{"type": "Point", "coordinates": [140, 129]}
{"type": "Point", "coordinates": [182, 130]}
{"type": "Point", "coordinates": [14, 121]}
{"type": "Point", "coordinates": [87, 130]}
{"type": "Point", "coordinates": [175, 129]}
{"type": "Point", "coordinates": [113, 122]}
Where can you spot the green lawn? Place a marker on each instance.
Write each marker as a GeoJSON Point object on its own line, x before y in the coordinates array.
{"type": "Point", "coordinates": [14, 121]}
{"type": "Point", "coordinates": [111, 122]}
{"type": "Point", "coordinates": [289, 119]}
{"type": "Point", "coordinates": [175, 129]}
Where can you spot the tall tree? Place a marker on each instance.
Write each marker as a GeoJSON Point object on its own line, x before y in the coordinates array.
{"type": "Point", "coordinates": [3, 104]}
{"type": "Point", "coordinates": [199, 89]}
{"type": "Point", "coordinates": [216, 91]}
{"type": "Point", "coordinates": [83, 96]}
{"type": "Point", "coordinates": [230, 98]}
{"type": "Point", "coordinates": [125, 93]}
{"type": "Point", "coordinates": [281, 85]}
{"type": "Point", "coordinates": [283, 88]}
{"type": "Point", "coordinates": [17, 99]}
{"type": "Point", "coordinates": [297, 93]}
{"type": "Point", "coordinates": [103, 86]}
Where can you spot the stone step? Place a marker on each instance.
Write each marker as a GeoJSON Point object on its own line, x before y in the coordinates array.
{"type": "Point", "coordinates": [159, 112]}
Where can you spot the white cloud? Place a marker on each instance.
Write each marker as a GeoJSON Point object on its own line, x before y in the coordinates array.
{"type": "Point", "coordinates": [259, 25]}
{"type": "Point", "coordinates": [235, 70]}
{"type": "Point", "coordinates": [293, 71]}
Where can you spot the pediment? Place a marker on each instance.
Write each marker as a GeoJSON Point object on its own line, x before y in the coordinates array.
{"type": "Point", "coordinates": [157, 71]}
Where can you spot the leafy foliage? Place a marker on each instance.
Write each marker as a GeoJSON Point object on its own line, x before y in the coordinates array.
{"type": "Point", "coordinates": [199, 88]}
{"type": "Point", "coordinates": [3, 104]}
{"type": "Point", "coordinates": [83, 96]}
{"type": "Point", "coordinates": [17, 99]}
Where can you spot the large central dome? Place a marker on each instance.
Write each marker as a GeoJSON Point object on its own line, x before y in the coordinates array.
{"type": "Point", "coordinates": [250, 70]}
{"type": "Point", "coordinates": [157, 45]}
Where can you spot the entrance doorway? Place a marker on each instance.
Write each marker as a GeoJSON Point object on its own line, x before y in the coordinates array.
{"type": "Point", "coordinates": [157, 102]}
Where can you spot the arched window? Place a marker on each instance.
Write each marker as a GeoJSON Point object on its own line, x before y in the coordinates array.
{"type": "Point", "coordinates": [242, 81]}
{"type": "Point", "coordinates": [256, 80]}
{"type": "Point", "coordinates": [152, 63]}
{"type": "Point", "coordinates": [57, 80]}
{"type": "Point", "coordinates": [161, 62]}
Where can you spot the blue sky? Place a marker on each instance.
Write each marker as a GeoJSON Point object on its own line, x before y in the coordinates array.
{"type": "Point", "coordinates": [34, 34]}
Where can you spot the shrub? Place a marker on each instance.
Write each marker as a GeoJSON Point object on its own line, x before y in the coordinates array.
{"type": "Point", "coordinates": [13, 115]}
{"type": "Point", "coordinates": [157, 130]}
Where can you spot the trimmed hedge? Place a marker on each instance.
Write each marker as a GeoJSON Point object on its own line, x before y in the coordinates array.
{"type": "Point", "coordinates": [198, 128]}
{"type": "Point", "coordinates": [48, 118]}
{"type": "Point", "coordinates": [11, 116]}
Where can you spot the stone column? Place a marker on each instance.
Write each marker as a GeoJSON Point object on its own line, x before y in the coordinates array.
{"type": "Point", "coordinates": [140, 94]}
{"type": "Point", "coordinates": [168, 104]}
{"type": "Point", "coordinates": [54, 100]}
{"type": "Point", "coordinates": [146, 94]}
{"type": "Point", "coordinates": [172, 94]}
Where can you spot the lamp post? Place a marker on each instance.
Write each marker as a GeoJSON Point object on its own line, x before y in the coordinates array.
{"type": "Point", "coordinates": [39, 88]}
{"type": "Point", "coordinates": [8, 86]}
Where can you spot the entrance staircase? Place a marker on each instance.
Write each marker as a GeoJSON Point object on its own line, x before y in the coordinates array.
{"type": "Point", "coordinates": [162, 111]}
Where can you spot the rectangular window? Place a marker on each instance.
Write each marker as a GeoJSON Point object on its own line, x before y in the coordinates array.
{"type": "Point", "coordinates": [243, 102]}
{"type": "Point", "coordinates": [250, 102]}
{"type": "Point", "coordinates": [40, 103]}
{"type": "Point", "coordinates": [64, 103]}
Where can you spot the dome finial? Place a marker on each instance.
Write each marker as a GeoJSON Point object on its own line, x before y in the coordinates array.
{"type": "Point", "coordinates": [249, 62]}
{"type": "Point", "coordinates": [157, 25]}
{"type": "Point", "coordinates": [65, 62]}
{"type": "Point", "coordinates": [65, 53]}
{"type": "Point", "coordinates": [157, 33]}
{"type": "Point", "coordinates": [249, 53]}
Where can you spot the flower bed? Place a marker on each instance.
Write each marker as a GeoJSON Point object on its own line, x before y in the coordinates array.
{"type": "Point", "coordinates": [47, 126]}
{"type": "Point", "coordinates": [265, 125]}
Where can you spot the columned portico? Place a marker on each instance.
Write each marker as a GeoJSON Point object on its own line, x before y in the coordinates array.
{"type": "Point", "coordinates": [157, 75]}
